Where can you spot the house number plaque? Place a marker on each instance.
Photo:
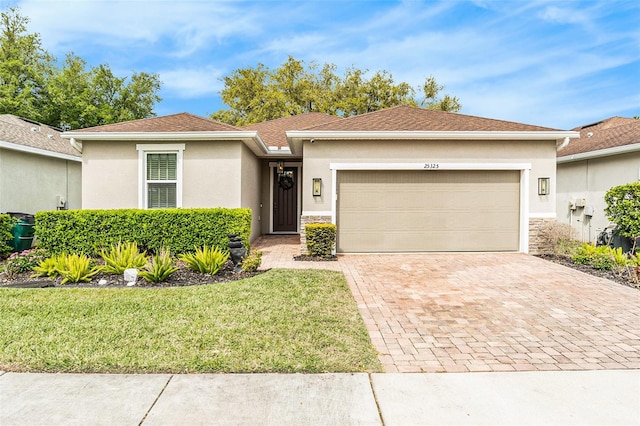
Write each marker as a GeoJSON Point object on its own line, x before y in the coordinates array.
{"type": "Point", "coordinates": [431, 165]}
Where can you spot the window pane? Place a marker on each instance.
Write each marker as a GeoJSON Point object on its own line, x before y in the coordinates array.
{"type": "Point", "coordinates": [161, 166]}
{"type": "Point", "coordinates": [162, 195]}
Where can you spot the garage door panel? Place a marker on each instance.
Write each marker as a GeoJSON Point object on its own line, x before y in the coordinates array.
{"type": "Point", "coordinates": [394, 211]}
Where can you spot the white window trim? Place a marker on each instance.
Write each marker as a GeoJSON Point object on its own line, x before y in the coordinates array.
{"type": "Point", "coordinates": [143, 150]}
{"type": "Point", "coordinates": [524, 169]}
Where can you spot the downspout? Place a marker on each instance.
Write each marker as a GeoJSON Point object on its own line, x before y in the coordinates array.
{"type": "Point", "coordinates": [77, 146]}
{"type": "Point", "coordinates": [564, 144]}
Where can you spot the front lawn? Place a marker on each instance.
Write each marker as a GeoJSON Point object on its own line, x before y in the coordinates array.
{"type": "Point", "coordinates": [278, 321]}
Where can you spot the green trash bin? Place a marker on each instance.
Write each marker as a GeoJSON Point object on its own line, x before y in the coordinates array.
{"type": "Point", "coordinates": [23, 231]}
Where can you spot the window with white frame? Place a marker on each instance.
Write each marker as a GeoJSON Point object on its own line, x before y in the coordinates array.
{"type": "Point", "coordinates": [160, 176]}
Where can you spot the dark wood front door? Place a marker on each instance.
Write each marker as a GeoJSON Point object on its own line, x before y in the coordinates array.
{"type": "Point", "coordinates": [285, 200]}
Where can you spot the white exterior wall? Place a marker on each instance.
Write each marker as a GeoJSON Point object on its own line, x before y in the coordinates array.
{"type": "Point", "coordinates": [591, 179]}
{"type": "Point", "coordinates": [30, 183]}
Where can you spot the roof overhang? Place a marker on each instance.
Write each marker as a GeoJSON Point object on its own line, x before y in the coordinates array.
{"type": "Point", "coordinates": [250, 138]}
{"type": "Point", "coordinates": [38, 151]}
{"type": "Point", "coordinates": [599, 153]}
{"type": "Point", "coordinates": [296, 137]}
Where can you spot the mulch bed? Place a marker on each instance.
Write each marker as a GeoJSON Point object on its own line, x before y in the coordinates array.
{"type": "Point", "coordinates": [181, 278]}
{"type": "Point", "coordinates": [623, 277]}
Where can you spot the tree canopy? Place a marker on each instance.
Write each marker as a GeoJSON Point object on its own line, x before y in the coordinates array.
{"type": "Point", "coordinates": [72, 96]}
{"type": "Point", "coordinates": [259, 94]}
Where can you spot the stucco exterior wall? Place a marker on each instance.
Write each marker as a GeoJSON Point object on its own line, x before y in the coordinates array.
{"type": "Point", "coordinates": [250, 188]}
{"type": "Point", "coordinates": [211, 174]}
{"type": "Point", "coordinates": [109, 175]}
{"type": "Point", "coordinates": [30, 183]}
{"type": "Point", "coordinates": [319, 155]}
{"type": "Point", "coordinates": [591, 179]}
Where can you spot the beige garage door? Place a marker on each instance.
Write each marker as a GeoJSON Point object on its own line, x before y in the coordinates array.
{"type": "Point", "coordinates": [400, 211]}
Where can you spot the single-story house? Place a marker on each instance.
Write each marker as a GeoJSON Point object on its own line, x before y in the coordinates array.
{"type": "Point", "coordinates": [403, 179]}
{"type": "Point", "coordinates": [38, 169]}
{"type": "Point", "coordinates": [606, 155]}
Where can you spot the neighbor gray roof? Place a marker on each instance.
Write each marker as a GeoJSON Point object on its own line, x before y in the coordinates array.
{"type": "Point", "coordinates": [609, 133]}
{"type": "Point", "coordinates": [30, 134]}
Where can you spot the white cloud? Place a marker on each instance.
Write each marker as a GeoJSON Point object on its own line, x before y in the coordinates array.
{"type": "Point", "coordinates": [188, 26]}
{"type": "Point", "coordinates": [191, 83]}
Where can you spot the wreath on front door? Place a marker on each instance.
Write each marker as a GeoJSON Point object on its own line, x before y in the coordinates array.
{"type": "Point", "coordinates": [285, 181]}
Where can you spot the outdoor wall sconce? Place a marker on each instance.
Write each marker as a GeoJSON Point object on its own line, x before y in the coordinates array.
{"type": "Point", "coordinates": [280, 167]}
{"type": "Point", "coordinates": [317, 187]}
{"type": "Point", "coordinates": [544, 188]}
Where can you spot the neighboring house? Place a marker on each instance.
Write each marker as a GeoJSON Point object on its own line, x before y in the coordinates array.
{"type": "Point", "coordinates": [38, 169]}
{"type": "Point", "coordinates": [395, 180]}
{"type": "Point", "coordinates": [606, 155]}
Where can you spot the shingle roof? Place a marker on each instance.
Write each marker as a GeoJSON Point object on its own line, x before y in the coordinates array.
{"type": "Point", "coordinates": [407, 118]}
{"type": "Point", "coordinates": [182, 122]}
{"type": "Point", "coordinates": [272, 132]}
{"type": "Point", "coordinates": [31, 134]}
{"type": "Point", "coordinates": [609, 133]}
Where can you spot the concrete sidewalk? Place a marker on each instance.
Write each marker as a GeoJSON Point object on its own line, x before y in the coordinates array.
{"type": "Point", "coordinates": [571, 397]}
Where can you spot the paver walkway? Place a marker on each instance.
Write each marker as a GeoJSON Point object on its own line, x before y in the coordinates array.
{"type": "Point", "coordinates": [484, 311]}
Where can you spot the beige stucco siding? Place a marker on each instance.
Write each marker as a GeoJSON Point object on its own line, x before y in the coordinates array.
{"type": "Point", "coordinates": [319, 155]}
{"type": "Point", "coordinates": [591, 179]}
{"type": "Point", "coordinates": [30, 183]}
{"type": "Point", "coordinates": [250, 189]}
{"type": "Point", "coordinates": [109, 175]}
{"type": "Point", "coordinates": [212, 174]}
{"type": "Point", "coordinates": [265, 197]}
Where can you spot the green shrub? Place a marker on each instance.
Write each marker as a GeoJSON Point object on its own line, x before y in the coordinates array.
{"type": "Point", "coordinates": [178, 230]}
{"type": "Point", "coordinates": [206, 260]}
{"type": "Point", "coordinates": [252, 261]}
{"type": "Point", "coordinates": [623, 208]}
{"type": "Point", "coordinates": [584, 254]}
{"type": "Point", "coordinates": [122, 256]}
{"type": "Point", "coordinates": [603, 260]}
{"type": "Point", "coordinates": [49, 267]}
{"type": "Point", "coordinates": [321, 239]}
{"type": "Point", "coordinates": [23, 261]}
{"type": "Point", "coordinates": [74, 268]}
{"type": "Point", "coordinates": [6, 223]}
{"type": "Point", "coordinates": [159, 268]}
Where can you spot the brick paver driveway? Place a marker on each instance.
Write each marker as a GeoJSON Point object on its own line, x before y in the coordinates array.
{"type": "Point", "coordinates": [486, 312]}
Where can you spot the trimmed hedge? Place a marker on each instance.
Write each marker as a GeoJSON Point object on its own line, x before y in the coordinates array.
{"type": "Point", "coordinates": [178, 230]}
{"type": "Point", "coordinates": [6, 223]}
{"type": "Point", "coordinates": [321, 239]}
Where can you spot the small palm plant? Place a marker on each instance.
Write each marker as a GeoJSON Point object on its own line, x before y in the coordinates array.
{"type": "Point", "coordinates": [159, 267]}
{"type": "Point", "coordinates": [123, 256]}
{"type": "Point", "coordinates": [206, 260]}
{"type": "Point", "coordinates": [76, 268]}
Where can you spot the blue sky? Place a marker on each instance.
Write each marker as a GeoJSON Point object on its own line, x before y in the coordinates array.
{"type": "Point", "coordinates": [553, 63]}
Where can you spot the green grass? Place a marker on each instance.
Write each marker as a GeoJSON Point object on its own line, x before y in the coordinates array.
{"type": "Point", "coordinates": [278, 321]}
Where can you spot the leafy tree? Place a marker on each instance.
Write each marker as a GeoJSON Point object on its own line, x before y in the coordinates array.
{"type": "Point", "coordinates": [623, 208]}
{"type": "Point", "coordinates": [25, 67]}
{"type": "Point", "coordinates": [72, 96]}
{"type": "Point", "coordinates": [258, 94]}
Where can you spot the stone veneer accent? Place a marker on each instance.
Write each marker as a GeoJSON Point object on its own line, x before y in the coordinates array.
{"type": "Point", "coordinates": [536, 243]}
{"type": "Point", "coordinates": [304, 221]}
